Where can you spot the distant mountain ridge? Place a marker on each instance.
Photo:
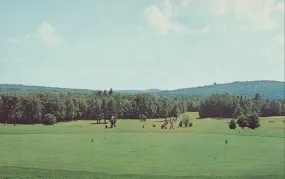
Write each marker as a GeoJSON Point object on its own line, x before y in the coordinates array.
{"type": "Point", "coordinates": [267, 90]}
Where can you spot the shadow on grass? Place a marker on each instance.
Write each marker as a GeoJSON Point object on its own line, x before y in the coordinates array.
{"type": "Point", "coordinates": [213, 118]}
{"type": "Point", "coordinates": [95, 123]}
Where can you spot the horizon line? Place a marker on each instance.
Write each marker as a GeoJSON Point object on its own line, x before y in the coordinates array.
{"type": "Point", "coordinates": [138, 89]}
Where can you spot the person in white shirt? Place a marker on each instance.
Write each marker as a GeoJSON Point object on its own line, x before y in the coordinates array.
{"type": "Point", "coordinates": [171, 122]}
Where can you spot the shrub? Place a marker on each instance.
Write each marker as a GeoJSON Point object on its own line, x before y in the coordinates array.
{"type": "Point", "coordinates": [49, 119]}
{"type": "Point", "coordinates": [232, 124]}
{"type": "Point", "coordinates": [242, 121]}
{"type": "Point", "coordinates": [186, 119]}
{"type": "Point", "coordinates": [253, 121]}
{"type": "Point", "coordinates": [191, 124]}
{"type": "Point", "coordinates": [142, 117]}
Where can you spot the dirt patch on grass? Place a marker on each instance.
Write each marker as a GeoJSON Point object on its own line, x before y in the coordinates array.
{"type": "Point", "coordinates": [278, 128]}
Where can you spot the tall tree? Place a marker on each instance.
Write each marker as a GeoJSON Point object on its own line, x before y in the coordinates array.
{"type": "Point", "coordinates": [82, 105]}
{"type": "Point", "coordinates": [99, 93]}
{"type": "Point", "coordinates": [104, 110]}
{"type": "Point", "coordinates": [70, 110]}
{"type": "Point", "coordinates": [36, 111]}
{"type": "Point", "coordinates": [283, 109]}
{"type": "Point", "coordinates": [96, 110]}
{"type": "Point", "coordinates": [17, 112]}
{"type": "Point", "coordinates": [110, 92]}
{"type": "Point", "coordinates": [275, 107]}
{"type": "Point", "coordinates": [257, 97]}
{"type": "Point", "coordinates": [111, 108]}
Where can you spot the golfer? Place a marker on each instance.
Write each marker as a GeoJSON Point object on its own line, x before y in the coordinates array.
{"type": "Point", "coordinates": [171, 122]}
{"type": "Point", "coordinates": [113, 121]}
{"type": "Point", "coordinates": [108, 125]}
{"type": "Point", "coordinates": [163, 125]}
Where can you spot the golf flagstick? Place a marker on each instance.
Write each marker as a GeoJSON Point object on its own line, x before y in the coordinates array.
{"type": "Point", "coordinates": [226, 142]}
{"type": "Point", "coordinates": [92, 147]}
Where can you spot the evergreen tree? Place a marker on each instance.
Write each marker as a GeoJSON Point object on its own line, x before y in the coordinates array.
{"type": "Point", "coordinates": [232, 124]}
{"type": "Point", "coordinates": [110, 92]}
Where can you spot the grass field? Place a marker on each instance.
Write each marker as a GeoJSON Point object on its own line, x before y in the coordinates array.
{"type": "Point", "coordinates": [130, 151]}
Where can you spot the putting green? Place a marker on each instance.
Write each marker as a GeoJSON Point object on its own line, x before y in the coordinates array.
{"type": "Point", "coordinates": [130, 151]}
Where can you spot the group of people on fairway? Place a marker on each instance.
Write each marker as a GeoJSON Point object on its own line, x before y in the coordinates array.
{"type": "Point", "coordinates": [112, 122]}
{"type": "Point", "coordinates": [165, 123]}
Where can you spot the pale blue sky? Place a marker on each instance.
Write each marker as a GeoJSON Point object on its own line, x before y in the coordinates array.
{"type": "Point", "coordinates": [142, 44]}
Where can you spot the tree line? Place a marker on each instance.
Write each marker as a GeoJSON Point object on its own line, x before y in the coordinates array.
{"type": "Point", "coordinates": [244, 111]}
{"type": "Point", "coordinates": [230, 106]}
{"type": "Point", "coordinates": [36, 108]}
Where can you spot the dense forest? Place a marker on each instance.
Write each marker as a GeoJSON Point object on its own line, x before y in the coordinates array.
{"type": "Point", "coordinates": [267, 90]}
{"type": "Point", "coordinates": [48, 108]}
{"type": "Point", "coordinates": [227, 106]}
{"type": "Point", "coordinates": [32, 108]}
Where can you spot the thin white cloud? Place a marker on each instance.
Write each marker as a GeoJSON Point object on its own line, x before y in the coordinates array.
{"type": "Point", "coordinates": [45, 34]}
{"type": "Point", "coordinates": [162, 22]}
{"type": "Point", "coordinates": [257, 14]}
{"type": "Point", "coordinates": [241, 14]}
{"type": "Point", "coordinates": [163, 19]}
{"type": "Point", "coordinates": [29, 38]}
{"type": "Point", "coordinates": [252, 14]}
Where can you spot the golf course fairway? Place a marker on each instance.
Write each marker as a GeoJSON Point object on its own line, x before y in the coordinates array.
{"type": "Point", "coordinates": [66, 150]}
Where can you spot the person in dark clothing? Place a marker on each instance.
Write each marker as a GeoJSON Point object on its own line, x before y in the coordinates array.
{"type": "Point", "coordinates": [180, 124]}
{"type": "Point", "coordinates": [113, 121]}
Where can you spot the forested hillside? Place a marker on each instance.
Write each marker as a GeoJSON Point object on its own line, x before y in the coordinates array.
{"type": "Point", "coordinates": [266, 89]}
{"type": "Point", "coordinates": [21, 89]}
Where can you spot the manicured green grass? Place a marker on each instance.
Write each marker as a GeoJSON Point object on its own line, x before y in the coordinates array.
{"type": "Point", "coordinates": [130, 151]}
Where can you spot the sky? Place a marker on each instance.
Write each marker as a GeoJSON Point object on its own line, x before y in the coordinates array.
{"type": "Point", "coordinates": [142, 44]}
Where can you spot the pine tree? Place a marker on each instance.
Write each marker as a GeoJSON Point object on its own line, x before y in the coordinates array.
{"type": "Point", "coordinates": [257, 97]}
{"type": "Point", "coordinates": [110, 92]}
{"type": "Point", "coordinates": [232, 124]}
